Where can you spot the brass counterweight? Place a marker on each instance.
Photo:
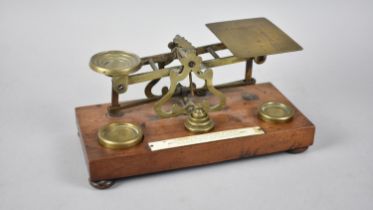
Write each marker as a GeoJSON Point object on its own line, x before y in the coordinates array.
{"type": "Point", "coordinates": [198, 121]}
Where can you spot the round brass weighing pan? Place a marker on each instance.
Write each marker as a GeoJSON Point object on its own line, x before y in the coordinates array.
{"type": "Point", "coordinates": [115, 63]}
{"type": "Point", "coordinates": [120, 135]}
{"type": "Point", "coordinates": [275, 112]}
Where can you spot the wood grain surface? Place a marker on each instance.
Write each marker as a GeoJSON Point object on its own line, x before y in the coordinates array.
{"type": "Point", "coordinates": [104, 164]}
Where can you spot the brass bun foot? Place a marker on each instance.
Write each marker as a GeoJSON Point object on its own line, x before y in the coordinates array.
{"type": "Point", "coordinates": [297, 150]}
{"type": "Point", "coordinates": [199, 121]}
{"type": "Point", "coordinates": [102, 184]}
{"type": "Point", "coordinates": [120, 135]}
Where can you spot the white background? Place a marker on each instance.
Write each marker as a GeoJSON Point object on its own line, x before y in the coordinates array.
{"type": "Point", "coordinates": [45, 47]}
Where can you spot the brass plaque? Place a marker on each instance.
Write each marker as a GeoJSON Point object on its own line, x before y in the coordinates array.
{"type": "Point", "coordinates": [204, 138]}
{"type": "Point", "coordinates": [250, 38]}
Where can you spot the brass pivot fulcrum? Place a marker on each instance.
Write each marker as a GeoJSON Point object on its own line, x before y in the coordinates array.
{"type": "Point", "coordinates": [198, 121]}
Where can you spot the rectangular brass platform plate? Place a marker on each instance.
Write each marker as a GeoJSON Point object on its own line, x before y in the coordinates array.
{"type": "Point", "coordinates": [204, 138]}
{"type": "Point", "coordinates": [250, 38]}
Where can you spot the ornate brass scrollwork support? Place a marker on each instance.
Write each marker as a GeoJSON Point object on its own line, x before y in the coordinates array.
{"type": "Point", "coordinates": [190, 63]}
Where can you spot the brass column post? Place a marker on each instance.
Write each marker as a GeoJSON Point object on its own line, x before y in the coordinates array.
{"type": "Point", "coordinates": [114, 98]}
{"type": "Point", "coordinates": [113, 109]}
{"type": "Point", "coordinates": [249, 71]}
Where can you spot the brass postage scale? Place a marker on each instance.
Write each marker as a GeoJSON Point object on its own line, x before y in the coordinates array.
{"type": "Point", "coordinates": [187, 125]}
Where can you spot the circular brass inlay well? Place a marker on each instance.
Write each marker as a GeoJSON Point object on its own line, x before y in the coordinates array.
{"type": "Point", "coordinates": [119, 135]}
{"type": "Point", "coordinates": [115, 63]}
{"type": "Point", "coordinates": [275, 112]}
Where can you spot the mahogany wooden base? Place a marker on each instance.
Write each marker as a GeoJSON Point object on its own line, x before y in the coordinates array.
{"type": "Point", "coordinates": [241, 111]}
